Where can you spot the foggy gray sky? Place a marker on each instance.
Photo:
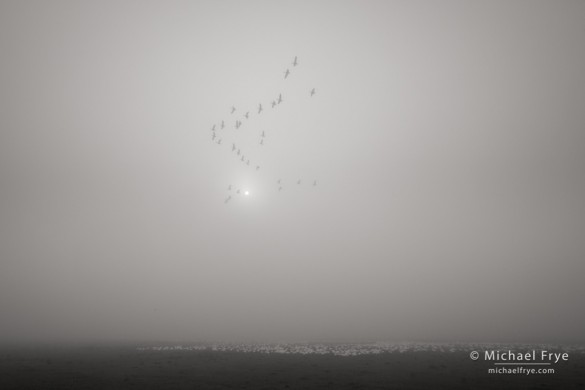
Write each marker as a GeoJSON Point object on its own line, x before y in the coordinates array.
{"type": "Point", "coordinates": [448, 139]}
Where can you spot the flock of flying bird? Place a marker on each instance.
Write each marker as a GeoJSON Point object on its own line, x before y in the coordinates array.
{"type": "Point", "coordinates": [237, 123]}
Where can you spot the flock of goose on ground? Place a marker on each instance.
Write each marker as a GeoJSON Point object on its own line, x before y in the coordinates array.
{"type": "Point", "coordinates": [239, 118]}
{"type": "Point", "coordinates": [356, 349]}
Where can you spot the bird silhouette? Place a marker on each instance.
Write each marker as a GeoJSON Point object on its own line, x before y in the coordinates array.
{"type": "Point", "coordinates": [227, 199]}
{"type": "Point", "coordinates": [238, 152]}
{"type": "Point", "coordinates": [213, 136]}
{"type": "Point", "coordinates": [233, 147]}
{"type": "Point", "coordinates": [247, 114]}
{"type": "Point", "coordinates": [261, 142]}
{"type": "Point", "coordinates": [279, 188]}
{"type": "Point", "coordinates": [312, 91]}
{"type": "Point", "coordinates": [273, 104]}
{"type": "Point", "coordinates": [233, 110]}
{"type": "Point", "coordinates": [213, 128]}
{"type": "Point", "coordinates": [279, 98]}
{"type": "Point", "coordinates": [259, 108]}
{"type": "Point", "coordinates": [295, 63]}
{"type": "Point", "coordinates": [286, 73]}
{"type": "Point", "coordinates": [248, 162]}
{"type": "Point", "coordinates": [242, 158]}
{"type": "Point", "coordinates": [263, 134]}
{"type": "Point", "coordinates": [219, 141]}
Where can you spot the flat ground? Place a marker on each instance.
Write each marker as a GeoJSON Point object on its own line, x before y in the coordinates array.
{"type": "Point", "coordinates": [128, 368]}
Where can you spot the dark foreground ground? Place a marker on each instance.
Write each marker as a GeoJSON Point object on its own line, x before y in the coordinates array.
{"type": "Point", "coordinates": [129, 368]}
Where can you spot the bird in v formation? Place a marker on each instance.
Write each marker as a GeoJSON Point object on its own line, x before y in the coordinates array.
{"type": "Point", "coordinates": [238, 123]}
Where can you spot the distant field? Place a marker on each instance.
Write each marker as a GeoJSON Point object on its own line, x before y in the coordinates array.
{"type": "Point", "coordinates": [206, 368]}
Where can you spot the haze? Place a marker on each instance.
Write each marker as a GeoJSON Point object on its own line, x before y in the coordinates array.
{"type": "Point", "coordinates": [447, 138]}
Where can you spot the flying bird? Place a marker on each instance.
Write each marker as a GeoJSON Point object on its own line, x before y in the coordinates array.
{"type": "Point", "coordinates": [219, 141]}
{"type": "Point", "coordinates": [279, 98]}
{"type": "Point", "coordinates": [213, 136]}
{"type": "Point", "coordinates": [279, 188]}
{"type": "Point", "coordinates": [233, 147]}
{"type": "Point", "coordinates": [312, 91]}
{"type": "Point", "coordinates": [261, 142]}
{"type": "Point", "coordinates": [259, 108]}
{"type": "Point", "coordinates": [263, 135]}
{"type": "Point", "coordinates": [295, 63]}
{"type": "Point", "coordinates": [286, 73]}
{"type": "Point", "coordinates": [273, 104]}
{"type": "Point", "coordinates": [213, 128]}
{"type": "Point", "coordinates": [247, 114]}
{"type": "Point", "coordinates": [248, 162]}
{"type": "Point", "coordinates": [238, 152]}
{"type": "Point", "coordinates": [233, 109]}
{"type": "Point", "coordinates": [242, 158]}
{"type": "Point", "coordinates": [227, 199]}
